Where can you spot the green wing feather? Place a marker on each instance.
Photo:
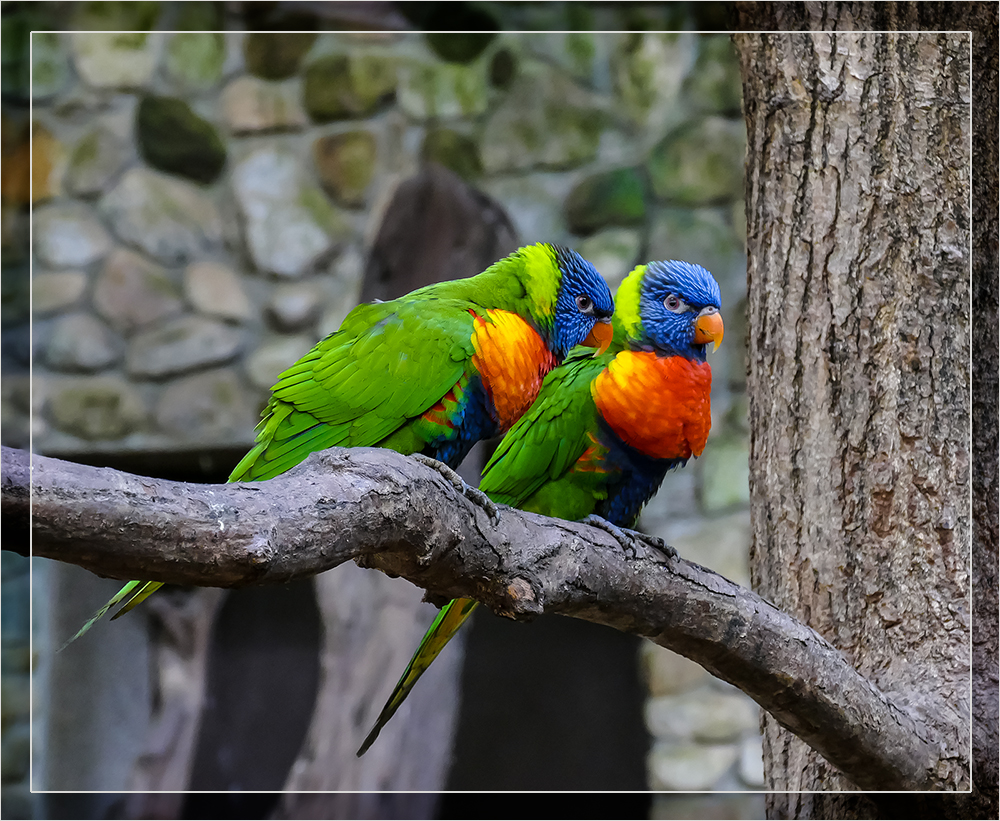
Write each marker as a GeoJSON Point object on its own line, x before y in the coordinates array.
{"type": "Point", "coordinates": [543, 445]}
{"type": "Point", "coordinates": [389, 363]}
{"type": "Point", "coordinates": [449, 619]}
{"type": "Point", "coordinates": [144, 592]}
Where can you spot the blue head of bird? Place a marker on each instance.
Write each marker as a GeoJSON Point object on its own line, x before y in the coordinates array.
{"type": "Point", "coordinates": [584, 306]}
{"type": "Point", "coordinates": [678, 309]}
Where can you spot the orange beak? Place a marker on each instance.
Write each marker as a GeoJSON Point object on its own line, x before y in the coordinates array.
{"type": "Point", "coordinates": [600, 336]}
{"type": "Point", "coordinates": [708, 328]}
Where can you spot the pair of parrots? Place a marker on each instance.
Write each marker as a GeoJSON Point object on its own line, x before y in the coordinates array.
{"type": "Point", "coordinates": [433, 372]}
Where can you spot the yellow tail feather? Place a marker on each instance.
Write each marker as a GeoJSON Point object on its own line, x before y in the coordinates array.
{"type": "Point", "coordinates": [144, 592]}
{"type": "Point", "coordinates": [449, 619]}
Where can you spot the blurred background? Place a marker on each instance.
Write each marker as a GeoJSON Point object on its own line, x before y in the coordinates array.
{"type": "Point", "coordinates": [208, 201]}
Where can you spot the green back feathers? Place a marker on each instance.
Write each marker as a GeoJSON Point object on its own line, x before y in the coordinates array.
{"type": "Point", "coordinates": [547, 441]}
{"type": "Point", "coordinates": [525, 282]}
{"type": "Point", "coordinates": [387, 364]}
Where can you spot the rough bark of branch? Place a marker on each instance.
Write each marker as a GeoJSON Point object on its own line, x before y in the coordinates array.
{"type": "Point", "coordinates": [392, 513]}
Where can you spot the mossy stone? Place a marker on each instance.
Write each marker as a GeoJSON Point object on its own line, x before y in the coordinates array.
{"type": "Point", "coordinates": [459, 47]}
{"type": "Point", "coordinates": [290, 226]}
{"type": "Point", "coordinates": [210, 406]}
{"type": "Point", "coordinates": [96, 408]}
{"type": "Point", "coordinates": [276, 55]}
{"type": "Point", "coordinates": [647, 72]}
{"type": "Point", "coordinates": [170, 219]}
{"type": "Point", "coordinates": [339, 87]}
{"type": "Point", "coordinates": [115, 59]}
{"type": "Point", "coordinates": [79, 342]}
{"type": "Point", "coordinates": [174, 139]}
{"type": "Point", "coordinates": [346, 163]}
{"type": "Point", "coordinates": [544, 120]}
{"type": "Point", "coordinates": [714, 84]}
{"type": "Point", "coordinates": [429, 90]}
{"type": "Point", "coordinates": [700, 162]}
{"type": "Point", "coordinates": [189, 343]}
{"type": "Point", "coordinates": [94, 162]}
{"type": "Point", "coordinates": [195, 58]}
{"type": "Point", "coordinates": [115, 15]}
{"type": "Point", "coordinates": [581, 50]}
{"type": "Point", "coordinates": [200, 17]}
{"type": "Point", "coordinates": [453, 150]}
{"type": "Point", "coordinates": [609, 198]}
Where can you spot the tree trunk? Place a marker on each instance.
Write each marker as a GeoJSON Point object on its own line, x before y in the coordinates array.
{"type": "Point", "coordinates": [859, 240]}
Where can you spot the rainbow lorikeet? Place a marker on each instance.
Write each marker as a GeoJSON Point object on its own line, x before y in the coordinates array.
{"type": "Point", "coordinates": [430, 373]}
{"type": "Point", "coordinates": [605, 429]}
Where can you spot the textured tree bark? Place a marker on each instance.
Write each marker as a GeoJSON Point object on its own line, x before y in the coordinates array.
{"type": "Point", "coordinates": [858, 204]}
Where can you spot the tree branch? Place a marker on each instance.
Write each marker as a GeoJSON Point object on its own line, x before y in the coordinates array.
{"type": "Point", "coordinates": [389, 512]}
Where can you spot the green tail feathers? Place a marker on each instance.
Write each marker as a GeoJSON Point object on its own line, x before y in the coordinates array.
{"type": "Point", "coordinates": [449, 619]}
{"type": "Point", "coordinates": [147, 589]}
{"type": "Point", "coordinates": [129, 594]}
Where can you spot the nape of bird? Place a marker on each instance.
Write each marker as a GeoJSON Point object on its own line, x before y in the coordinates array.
{"type": "Point", "coordinates": [604, 430]}
{"type": "Point", "coordinates": [430, 373]}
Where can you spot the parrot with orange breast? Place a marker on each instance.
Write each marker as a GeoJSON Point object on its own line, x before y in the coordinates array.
{"type": "Point", "coordinates": [604, 430]}
{"type": "Point", "coordinates": [430, 373]}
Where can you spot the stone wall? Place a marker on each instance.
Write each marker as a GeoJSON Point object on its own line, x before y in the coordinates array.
{"type": "Point", "coordinates": [203, 204]}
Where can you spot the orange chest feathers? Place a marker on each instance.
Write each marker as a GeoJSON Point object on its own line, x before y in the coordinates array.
{"type": "Point", "coordinates": [512, 360]}
{"type": "Point", "coordinates": [661, 406]}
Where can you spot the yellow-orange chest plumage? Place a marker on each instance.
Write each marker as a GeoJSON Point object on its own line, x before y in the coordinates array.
{"type": "Point", "coordinates": [661, 406]}
{"type": "Point", "coordinates": [512, 360]}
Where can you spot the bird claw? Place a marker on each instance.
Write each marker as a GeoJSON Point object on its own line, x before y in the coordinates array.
{"type": "Point", "coordinates": [628, 539]}
{"type": "Point", "coordinates": [473, 494]}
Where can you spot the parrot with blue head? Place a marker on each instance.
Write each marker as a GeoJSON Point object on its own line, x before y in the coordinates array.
{"type": "Point", "coordinates": [604, 430]}
{"type": "Point", "coordinates": [429, 373]}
